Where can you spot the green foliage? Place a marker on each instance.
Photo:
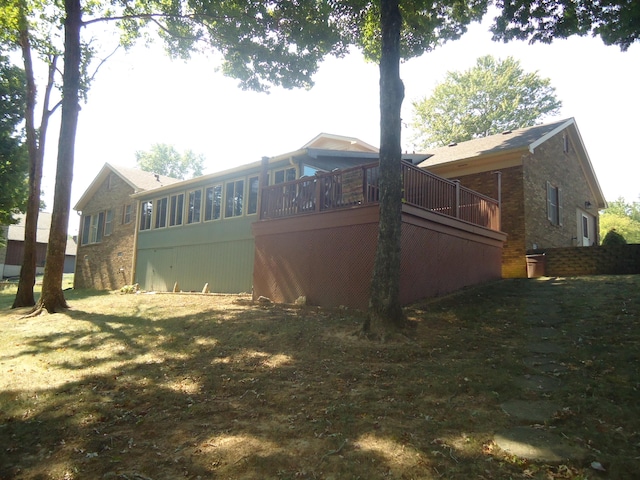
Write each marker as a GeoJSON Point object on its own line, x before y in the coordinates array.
{"type": "Point", "coordinates": [166, 160]}
{"type": "Point", "coordinates": [617, 22]}
{"type": "Point", "coordinates": [623, 218]}
{"type": "Point", "coordinates": [613, 238]}
{"type": "Point", "coordinates": [13, 158]}
{"type": "Point", "coordinates": [492, 97]}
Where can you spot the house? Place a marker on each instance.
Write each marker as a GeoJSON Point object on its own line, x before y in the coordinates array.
{"type": "Point", "coordinates": [198, 232]}
{"type": "Point", "coordinates": [106, 239]}
{"type": "Point", "coordinates": [12, 253]}
{"type": "Point", "coordinates": [550, 195]}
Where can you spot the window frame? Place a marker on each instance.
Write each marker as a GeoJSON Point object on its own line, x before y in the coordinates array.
{"type": "Point", "coordinates": [191, 210]}
{"type": "Point", "coordinates": [176, 210]}
{"type": "Point", "coordinates": [253, 194]}
{"type": "Point", "coordinates": [231, 208]}
{"type": "Point", "coordinates": [146, 215]}
{"type": "Point", "coordinates": [211, 207]}
{"type": "Point", "coordinates": [160, 214]}
{"type": "Point", "coordinates": [554, 204]}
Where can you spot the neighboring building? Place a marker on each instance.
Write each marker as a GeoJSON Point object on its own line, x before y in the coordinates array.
{"type": "Point", "coordinates": [550, 193]}
{"type": "Point", "coordinates": [106, 239]}
{"type": "Point", "coordinates": [12, 254]}
{"type": "Point", "coordinates": [198, 231]}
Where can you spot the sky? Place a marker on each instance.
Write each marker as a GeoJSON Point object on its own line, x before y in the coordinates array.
{"type": "Point", "coordinates": [142, 97]}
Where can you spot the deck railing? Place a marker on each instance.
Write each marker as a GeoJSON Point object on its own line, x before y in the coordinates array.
{"type": "Point", "coordinates": [359, 186]}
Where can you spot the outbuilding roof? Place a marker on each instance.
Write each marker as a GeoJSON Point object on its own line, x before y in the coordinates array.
{"type": "Point", "coordinates": [15, 232]}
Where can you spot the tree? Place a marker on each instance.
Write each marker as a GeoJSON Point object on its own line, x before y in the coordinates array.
{"type": "Point", "coordinates": [13, 159]}
{"type": "Point", "coordinates": [492, 97]}
{"type": "Point", "coordinates": [623, 218]}
{"type": "Point", "coordinates": [617, 22]}
{"type": "Point", "coordinates": [17, 32]}
{"type": "Point", "coordinates": [166, 160]}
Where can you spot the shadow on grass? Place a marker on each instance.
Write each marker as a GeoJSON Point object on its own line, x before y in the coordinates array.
{"type": "Point", "coordinates": [277, 392]}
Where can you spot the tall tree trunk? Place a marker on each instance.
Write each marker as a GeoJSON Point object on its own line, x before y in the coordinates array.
{"type": "Point", "coordinates": [24, 296]}
{"type": "Point", "coordinates": [35, 146]}
{"type": "Point", "coordinates": [384, 302]}
{"type": "Point", "coordinates": [52, 298]}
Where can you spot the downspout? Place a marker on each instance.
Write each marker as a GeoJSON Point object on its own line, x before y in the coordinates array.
{"type": "Point", "coordinates": [134, 257]}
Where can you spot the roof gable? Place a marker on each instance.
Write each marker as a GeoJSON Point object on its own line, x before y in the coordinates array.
{"type": "Point", "coordinates": [328, 141]}
{"type": "Point", "coordinates": [137, 179]}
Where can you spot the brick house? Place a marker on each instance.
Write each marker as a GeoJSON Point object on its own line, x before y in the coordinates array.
{"type": "Point", "coordinates": [106, 238]}
{"type": "Point", "coordinates": [550, 195]}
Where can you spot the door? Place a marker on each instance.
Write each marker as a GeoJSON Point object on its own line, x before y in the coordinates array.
{"type": "Point", "coordinates": [587, 235]}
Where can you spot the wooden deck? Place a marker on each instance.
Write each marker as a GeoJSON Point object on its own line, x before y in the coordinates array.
{"type": "Point", "coordinates": [359, 186]}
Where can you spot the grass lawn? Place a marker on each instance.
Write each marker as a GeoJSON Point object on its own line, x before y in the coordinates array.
{"type": "Point", "coordinates": [189, 386]}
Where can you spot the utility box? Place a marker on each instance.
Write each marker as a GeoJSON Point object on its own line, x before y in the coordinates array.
{"type": "Point", "coordinates": [536, 265]}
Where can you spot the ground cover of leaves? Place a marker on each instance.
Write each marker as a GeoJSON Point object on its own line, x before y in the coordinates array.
{"type": "Point", "coordinates": [204, 386]}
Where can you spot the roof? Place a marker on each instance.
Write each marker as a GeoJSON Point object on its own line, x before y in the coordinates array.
{"type": "Point", "coordinates": [329, 141]}
{"type": "Point", "coordinates": [137, 179]}
{"type": "Point", "coordinates": [15, 232]}
{"type": "Point", "coordinates": [324, 145]}
{"type": "Point", "coordinates": [525, 138]}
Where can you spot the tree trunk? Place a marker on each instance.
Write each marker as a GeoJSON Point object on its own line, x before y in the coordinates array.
{"type": "Point", "coordinates": [35, 145]}
{"type": "Point", "coordinates": [52, 298]}
{"type": "Point", "coordinates": [384, 302]}
{"type": "Point", "coordinates": [24, 295]}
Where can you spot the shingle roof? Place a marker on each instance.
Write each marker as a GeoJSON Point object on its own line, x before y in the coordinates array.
{"type": "Point", "coordinates": [139, 181]}
{"type": "Point", "coordinates": [503, 142]}
{"type": "Point", "coordinates": [16, 232]}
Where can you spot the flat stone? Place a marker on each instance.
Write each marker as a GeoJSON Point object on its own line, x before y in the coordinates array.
{"type": "Point", "coordinates": [546, 347]}
{"type": "Point", "coordinates": [542, 364]}
{"type": "Point", "coordinates": [530, 411]}
{"type": "Point", "coordinates": [539, 383]}
{"type": "Point", "coordinates": [538, 445]}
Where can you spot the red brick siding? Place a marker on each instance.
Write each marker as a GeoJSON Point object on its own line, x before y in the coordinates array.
{"type": "Point", "coordinates": [513, 224]}
{"type": "Point", "coordinates": [107, 265]}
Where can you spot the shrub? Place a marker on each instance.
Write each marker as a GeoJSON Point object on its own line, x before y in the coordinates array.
{"type": "Point", "coordinates": [613, 238]}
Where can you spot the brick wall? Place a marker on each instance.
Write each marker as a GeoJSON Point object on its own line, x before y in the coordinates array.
{"type": "Point", "coordinates": [550, 163]}
{"type": "Point", "coordinates": [107, 265]}
{"type": "Point", "coordinates": [600, 260]}
{"type": "Point", "coordinates": [513, 253]}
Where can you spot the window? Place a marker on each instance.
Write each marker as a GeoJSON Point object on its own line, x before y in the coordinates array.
{"type": "Point", "coordinates": [213, 202]}
{"type": "Point", "coordinates": [176, 208]}
{"type": "Point", "coordinates": [234, 198]}
{"type": "Point", "coordinates": [284, 175]}
{"type": "Point", "coordinates": [146, 213]}
{"type": "Point", "coordinates": [161, 213]}
{"type": "Point", "coordinates": [554, 209]}
{"type": "Point", "coordinates": [108, 223]}
{"type": "Point", "coordinates": [127, 211]}
{"type": "Point", "coordinates": [94, 227]}
{"type": "Point", "coordinates": [308, 171]}
{"type": "Point", "coordinates": [252, 207]}
{"type": "Point", "coordinates": [195, 203]}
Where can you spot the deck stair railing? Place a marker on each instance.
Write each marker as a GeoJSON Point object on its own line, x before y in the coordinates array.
{"type": "Point", "coordinates": [359, 186]}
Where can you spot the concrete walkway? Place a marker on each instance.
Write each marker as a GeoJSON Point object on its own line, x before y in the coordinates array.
{"type": "Point", "coordinates": [531, 436]}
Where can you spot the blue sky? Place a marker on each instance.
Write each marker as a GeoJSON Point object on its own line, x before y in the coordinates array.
{"type": "Point", "coordinates": [142, 97]}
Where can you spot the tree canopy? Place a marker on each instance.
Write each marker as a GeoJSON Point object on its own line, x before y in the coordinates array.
{"type": "Point", "coordinates": [623, 218]}
{"type": "Point", "coordinates": [166, 160]}
{"type": "Point", "coordinates": [491, 97]}
{"type": "Point", "coordinates": [617, 22]}
{"type": "Point", "coordinates": [14, 166]}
